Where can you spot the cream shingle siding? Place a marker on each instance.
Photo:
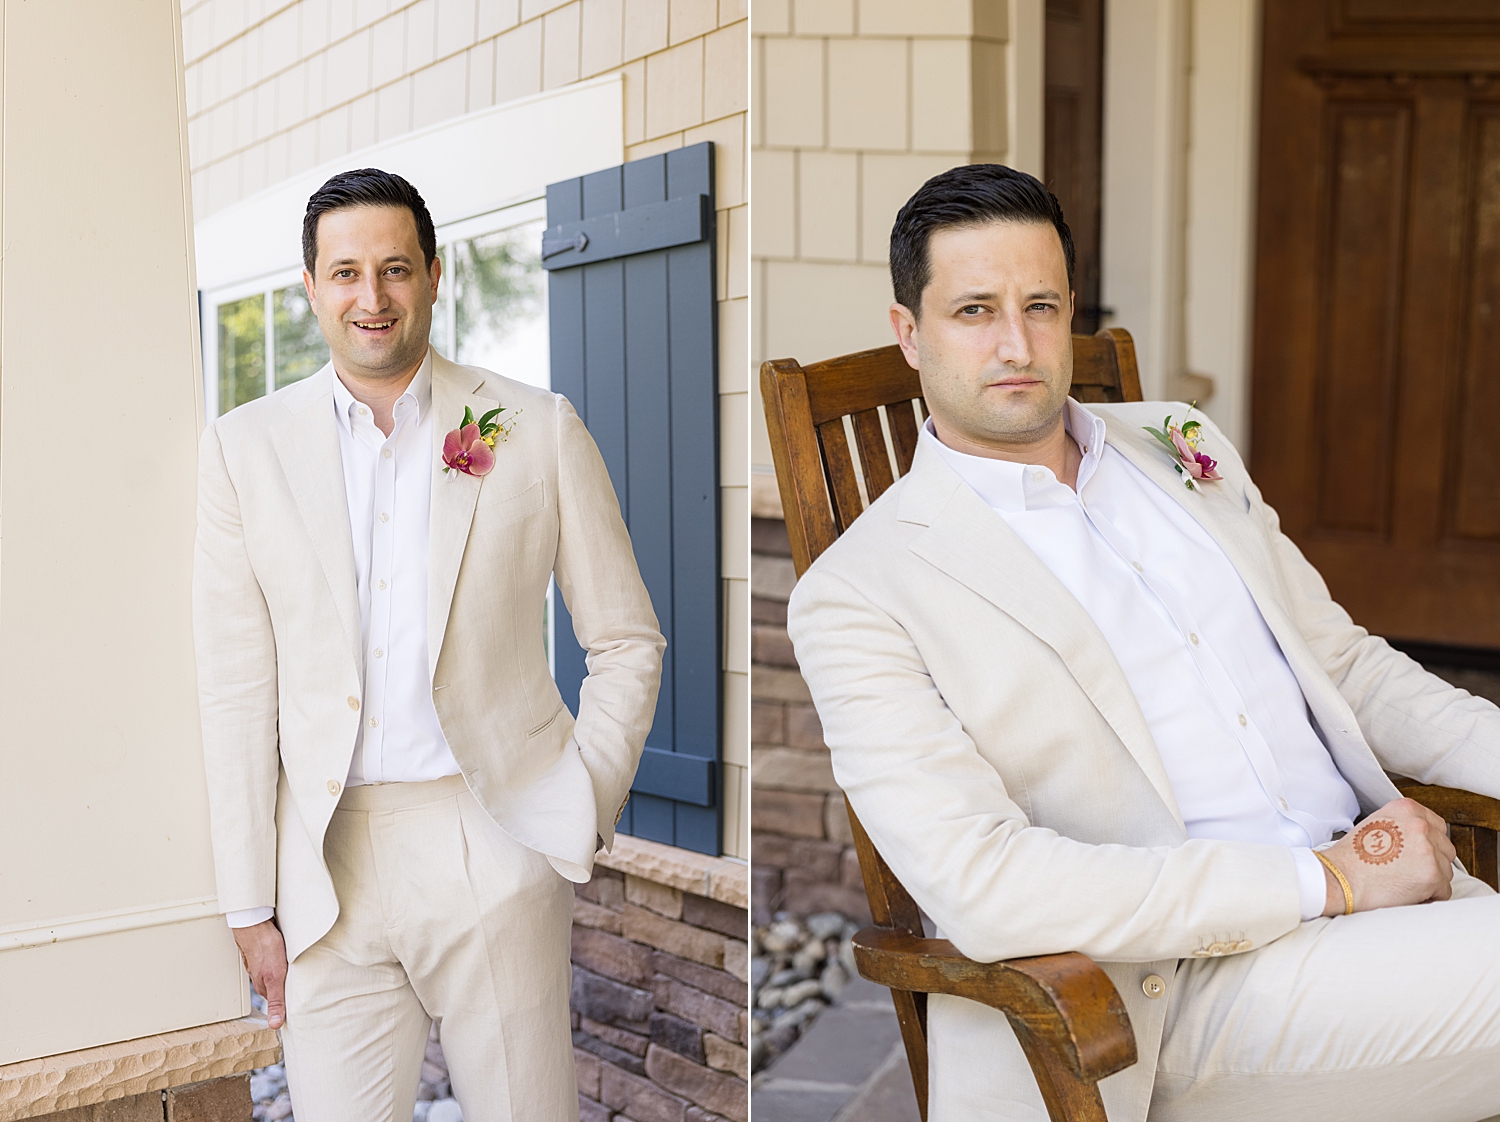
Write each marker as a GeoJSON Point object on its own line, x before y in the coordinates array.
{"type": "Point", "coordinates": [274, 89]}
{"type": "Point", "coordinates": [857, 103]}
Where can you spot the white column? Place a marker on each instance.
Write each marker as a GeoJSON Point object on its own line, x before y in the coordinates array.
{"type": "Point", "coordinates": [108, 922]}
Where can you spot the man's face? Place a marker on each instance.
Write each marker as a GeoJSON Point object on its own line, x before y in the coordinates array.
{"type": "Point", "coordinates": [994, 343]}
{"type": "Point", "coordinates": [372, 291]}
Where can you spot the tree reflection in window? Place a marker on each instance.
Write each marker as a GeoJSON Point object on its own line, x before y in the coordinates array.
{"type": "Point", "coordinates": [497, 282]}
{"type": "Point", "coordinates": [299, 345]}
{"type": "Point", "coordinates": [242, 351]}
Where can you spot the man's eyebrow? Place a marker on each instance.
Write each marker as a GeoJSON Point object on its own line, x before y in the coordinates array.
{"type": "Point", "coordinates": [342, 261]}
{"type": "Point", "coordinates": [983, 297]}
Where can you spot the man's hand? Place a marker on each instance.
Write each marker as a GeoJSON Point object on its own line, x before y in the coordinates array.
{"type": "Point", "coordinates": [1399, 855]}
{"type": "Point", "coordinates": [264, 954]}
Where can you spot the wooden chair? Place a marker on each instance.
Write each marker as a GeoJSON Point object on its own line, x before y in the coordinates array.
{"type": "Point", "coordinates": [1067, 1015]}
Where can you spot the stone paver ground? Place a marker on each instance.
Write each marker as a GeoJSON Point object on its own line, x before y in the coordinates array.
{"type": "Point", "coordinates": [850, 1066]}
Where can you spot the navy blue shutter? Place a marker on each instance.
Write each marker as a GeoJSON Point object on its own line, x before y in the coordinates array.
{"type": "Point", "coordinates": [630, 259]}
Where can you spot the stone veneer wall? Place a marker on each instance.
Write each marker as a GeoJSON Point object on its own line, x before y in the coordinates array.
{"type": "Point", "coordinates": [802, 851]}
{"type": "Point", "coordinates": [660, 987]}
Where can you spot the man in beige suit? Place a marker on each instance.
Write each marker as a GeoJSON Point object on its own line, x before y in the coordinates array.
{"type": "Point", "coordinates": [399, 797]}
{"type": "Point", "coordinates": [1085, 696]}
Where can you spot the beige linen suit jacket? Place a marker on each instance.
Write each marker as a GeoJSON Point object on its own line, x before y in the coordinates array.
{"type": "Point", "coordinates": [276, 617]}
{"type": "Point", "coordinates": [986, 736]}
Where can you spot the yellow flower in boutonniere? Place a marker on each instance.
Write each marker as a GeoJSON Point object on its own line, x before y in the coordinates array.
{"type": "Point", "coordinates": [1182, 442]}
{"type": "Point", "coordinates": [470, 448]}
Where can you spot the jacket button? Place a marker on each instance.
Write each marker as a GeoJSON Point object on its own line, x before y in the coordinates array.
{"type": "Point", "coordinates": [1153, 987]}
{"type": "Point", "coordinates": [1217, 949]}
{"type": "Point", "coordinates": [333, 786]}
{"type": "Point", "coordinates": [354, 703]}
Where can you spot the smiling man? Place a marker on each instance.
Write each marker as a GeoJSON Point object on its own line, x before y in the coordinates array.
{"type": "Point", "coordinates": [1085, 696]}
{"type": "Point", "coordinates": [399, 797]}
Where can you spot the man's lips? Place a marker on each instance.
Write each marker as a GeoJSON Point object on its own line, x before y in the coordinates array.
{"type": "Point", "coordinates": [1015, 383]}
{"type": "Point", "coordinates": [375, 326]}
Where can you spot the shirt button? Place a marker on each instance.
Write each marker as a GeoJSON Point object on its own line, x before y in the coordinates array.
{"type": "Point", "coordinates": [379, 653]}
{"type": "Point", "coordinates": [354, 703]}
{"type": "Point", "coordinates": [1193, 635]}
{"type": "Point", "coordinates": [333, 786]}
{"type": "Point", "coordinates": [363, 412]}
{"type": "Point", "coordinates": [386, 452]}
{"type": "Point", "coordinates": [1281, 803]}
{"type": "Point", "coordinates": [1038, 476]}
{"type": "Point", "coordinates": [1242, 720]}
{"type": "Point", "coordinates": [373, 722]}
{"type": "Point", "coordinates": [380, 584]}
{"type": "Point", "coordinates": [1136, 565]}
{"type": "Point", "coordinates": [384, 517]}
{"type": "Point", "coordinates": [1153, 986]}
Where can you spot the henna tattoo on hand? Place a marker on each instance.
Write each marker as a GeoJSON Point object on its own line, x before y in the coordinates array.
{"type": "Point", "coordinates": [1378, 842]}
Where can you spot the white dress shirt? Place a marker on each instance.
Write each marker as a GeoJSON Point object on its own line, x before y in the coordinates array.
{"type": "Point", "coordinates": [388, 484]}
{"type": "Point", "coordinates": [1223, 706]}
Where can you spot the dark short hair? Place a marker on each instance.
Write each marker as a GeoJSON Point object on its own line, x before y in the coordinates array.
{"type": "Point", "coordinates": [972, 195]}
{"type": "Point", "coordinates": [366, 187]}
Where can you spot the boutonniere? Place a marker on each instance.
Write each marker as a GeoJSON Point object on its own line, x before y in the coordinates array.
{"type": "Point", "coordinates": [1182, 442]}
{"type": "Point", "coordinates": [470, 448]}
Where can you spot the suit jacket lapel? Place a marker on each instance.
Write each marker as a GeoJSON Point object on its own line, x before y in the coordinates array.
{"type": "Point", "coordinates": [454, 495]}
{"type": "Point", "coordinates": [1221, 508]}
{"type": "Point", "coordinates": [972, 544]}
{"type": "Point", "coordinates": [307, 443]}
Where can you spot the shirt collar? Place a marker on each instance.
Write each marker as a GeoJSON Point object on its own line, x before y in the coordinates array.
{"type": "Point", "coordinates": [418, 394]}
{"type": "Point", "coordinates": [1006, 485]}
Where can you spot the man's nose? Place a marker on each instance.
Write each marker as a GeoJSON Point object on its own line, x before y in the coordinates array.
{"type": "Point", "coordinates": [372, 294]}
{"type": "Point", "coordinates": [1013, 342]}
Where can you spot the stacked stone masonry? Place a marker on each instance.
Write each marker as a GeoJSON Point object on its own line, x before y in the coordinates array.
{"type": "Point", "coordinates": [803, 859]}
{"type": "Point", "coordinates": [660, 993]}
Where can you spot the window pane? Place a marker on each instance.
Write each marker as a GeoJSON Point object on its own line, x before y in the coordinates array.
{"type": "Point", "coordinates": [300, 349]}
{"type": "Point", "coordinates": [242, 351]}
{"type": "Point", "coordinates": [438, 334]}
{"type": "Point", "coordinates": [500, 303]}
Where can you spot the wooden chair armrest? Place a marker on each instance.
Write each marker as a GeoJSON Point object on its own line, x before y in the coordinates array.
{"type": "Point", "coordinates": [1063, 1001]}
{"type": "Point", "coordinates": [1455, 806]}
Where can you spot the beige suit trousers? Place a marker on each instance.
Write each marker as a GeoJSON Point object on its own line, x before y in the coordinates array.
{"type": "Point", "coordinates": [1384, 1016]}
{"type": "Point", "coordinates": [442, 916]}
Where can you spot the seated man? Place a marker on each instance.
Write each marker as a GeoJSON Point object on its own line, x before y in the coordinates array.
{"type": "Point", "coordinates": [1085, 696]}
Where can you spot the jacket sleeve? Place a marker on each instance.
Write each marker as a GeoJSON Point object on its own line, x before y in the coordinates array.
{"type": "Point", "coordinates": [1417, 724]}
{"type": "Point", "coordinates": [613, 621]}
{"type": "Point", "coordinates": [236, 656]}
{"type": "Point", "coordinates": [940, 815]}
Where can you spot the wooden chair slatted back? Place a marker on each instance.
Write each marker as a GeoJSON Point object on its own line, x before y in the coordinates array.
{"type": "Point", "coordinates": [811, 412]}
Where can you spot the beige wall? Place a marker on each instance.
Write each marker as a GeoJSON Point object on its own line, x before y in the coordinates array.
{"type": "Point", "coordinates": [274, 89]}
{"type": "Point", "coordinates": [858, 102]}
{"type": "Point", "coordinates": [109, 928]}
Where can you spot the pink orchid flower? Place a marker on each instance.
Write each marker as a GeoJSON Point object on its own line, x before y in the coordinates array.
{"type": "Point", "coordinates": [1196, 464]}
{"type": "Point", "coordinates": [466, 451]}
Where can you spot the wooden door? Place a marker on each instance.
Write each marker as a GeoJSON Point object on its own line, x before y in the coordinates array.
{"type": "Point", "coordinates": [1376, 365]}
{"type": "Point", "coordinates": [1073, 138]}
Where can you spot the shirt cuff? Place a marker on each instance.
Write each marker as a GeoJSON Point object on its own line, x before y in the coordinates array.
{"type": "Point", "coordinates": [249, 917]}
{"type": "Point", "coordinates": [1312, 883]}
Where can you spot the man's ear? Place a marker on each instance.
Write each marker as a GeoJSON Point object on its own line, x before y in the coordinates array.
{"type": "Point", "coordinates": [435, 274]}
{"type": "Point", "coordinates": [904, 324]}
{"type": "Point", "coordinates": [312, 295]}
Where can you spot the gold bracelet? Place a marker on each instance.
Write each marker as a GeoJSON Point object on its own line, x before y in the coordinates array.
{"type": "Point", "coordinates": [1343, 882]}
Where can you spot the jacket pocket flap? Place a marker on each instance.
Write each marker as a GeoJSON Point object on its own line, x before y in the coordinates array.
{"type": "Point", "coordinates": [501, 508]}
